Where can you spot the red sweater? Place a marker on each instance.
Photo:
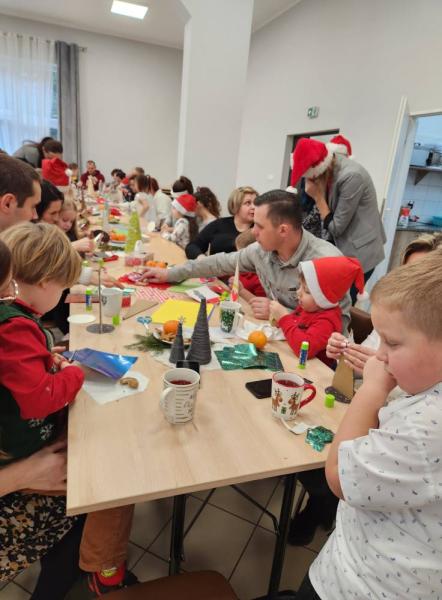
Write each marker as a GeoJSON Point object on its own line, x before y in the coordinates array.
{"type": "Point", "coordinates": [252, 283]}
{"type": "Point", "coordinates": [312, 327]}
{"type": "Point", "coordinates": [98, 176]}
{"type": "Point", "coordinates": [54, 170]}
{"type": "Point", "coordinates": [25, 370]}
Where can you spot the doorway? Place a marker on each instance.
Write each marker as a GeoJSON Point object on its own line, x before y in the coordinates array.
{"type": "Point", "coordinates": [414, 138]}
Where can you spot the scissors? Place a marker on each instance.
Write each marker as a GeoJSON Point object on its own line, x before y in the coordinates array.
{"type": "Point", "coordinates": [145, 322]}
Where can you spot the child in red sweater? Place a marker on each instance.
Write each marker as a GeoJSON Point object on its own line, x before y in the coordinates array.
{"type": "Point", "coordinates": [324, 282]}
{"type": "Point", "coordinates": [53, 167]}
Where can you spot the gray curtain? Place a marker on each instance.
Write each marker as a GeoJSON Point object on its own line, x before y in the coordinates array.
{"type": "Point", "coordinates": [69, 100]}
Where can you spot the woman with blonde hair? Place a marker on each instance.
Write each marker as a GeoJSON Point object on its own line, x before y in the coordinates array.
{"type": "Point", "coordinates": [221, 234]}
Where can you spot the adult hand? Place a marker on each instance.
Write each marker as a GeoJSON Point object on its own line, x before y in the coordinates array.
{"type": "Point", "coordinates": [336, 345]}
{"type": "Point", "coordinates": [316, 188]}
{"type": "Point", "coordinates": [376, 374]}
{"type": "Point", "coordinates": [356, 356]}
{"type": "Point", "coordinates": [84, 244]}
{"type": "Point", "coordinates": [260, 307]}
{"type": "Point", "coordinates": [154, 275]}
{"type": "Point", "coordinates": [231, 279]}
{"type": "Point", "coordinates": [46, 469]}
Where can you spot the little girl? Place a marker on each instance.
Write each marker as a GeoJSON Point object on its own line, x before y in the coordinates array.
{"type": "Point", "coordinates": [68, 223]}
{"type": "Point", "coordinates": [185, 229]}
{"type": "Point", "coordinates": [143, 196]}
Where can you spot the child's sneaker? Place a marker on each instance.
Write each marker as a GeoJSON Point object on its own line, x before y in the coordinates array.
{"type": "Point", "coordinates": [90, 587]}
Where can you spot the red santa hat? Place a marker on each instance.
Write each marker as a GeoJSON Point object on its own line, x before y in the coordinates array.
{"type": "Point", "coordinates": [185, 204]}
{"type": "Point", "coordinates": [311, 158]}
{"type": "Point", "coordinates": [329, 279]}
{"type": "Point", "coordinates": [340, 145]}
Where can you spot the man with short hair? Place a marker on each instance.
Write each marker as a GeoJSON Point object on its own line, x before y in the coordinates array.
{"type": "Point", "coordinates": [92, 171]}
{"type": "Point", "coordinates": [20, 191]}
{"type": "Point", "coordinates": [281, 244]}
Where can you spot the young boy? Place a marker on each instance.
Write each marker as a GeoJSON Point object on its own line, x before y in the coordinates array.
{"type": "Point", "coordinates": [35, 387]}
{"type": "Point", "coordinates": [385, 461]}
{"type": "Point", "coordinates": [53, 167]}
{"type": "Point", "coordinates": [323, 283]}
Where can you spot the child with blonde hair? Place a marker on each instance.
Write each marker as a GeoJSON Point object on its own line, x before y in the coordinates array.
{"type": "Point", "coordinates": [385, 460]}
{"type": "Point", "coordinates": [36, 385]}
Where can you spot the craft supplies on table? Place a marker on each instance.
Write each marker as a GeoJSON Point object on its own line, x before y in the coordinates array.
{"type": "Point", "coordinates": [174, 310]}
{"type": "Point", "coordinates": [246, 356]}
{"type": "Point", "coordinates": [111, 365]}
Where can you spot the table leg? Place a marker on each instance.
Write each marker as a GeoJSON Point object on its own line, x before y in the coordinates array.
{"type": "Point", "coordinates": [176, 541]}
{"type": "Point", "coordinates": [281, 536]}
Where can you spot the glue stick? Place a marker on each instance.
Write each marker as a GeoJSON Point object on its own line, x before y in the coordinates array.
{"type": "Point", "coordinates": [303, 354]}
{"type": "Point", "coordinates": [88, 299]}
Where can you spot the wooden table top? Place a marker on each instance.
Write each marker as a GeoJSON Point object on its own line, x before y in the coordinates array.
{"type": "Point", "coordinates": [125, 451]}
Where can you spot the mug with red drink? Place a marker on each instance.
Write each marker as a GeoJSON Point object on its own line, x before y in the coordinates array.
{"type": "Point", "coordinates": [179, 394]}
{"type": "Point", "coordinates": [287, 392]}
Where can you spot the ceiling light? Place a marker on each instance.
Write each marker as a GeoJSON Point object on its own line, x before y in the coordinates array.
{"type": "Point", "coordinates": [128, 9]}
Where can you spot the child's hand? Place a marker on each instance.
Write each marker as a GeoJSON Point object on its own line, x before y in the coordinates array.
{"type": "Point", "coordinates": [84, 245]}
{"type": "Point", "coordinates": [336, 345]}
{"type": "Point", "coordinates": [58, 359]}
{"type": "Point", "coordinates": [277, 311]}
{"type": "Point", "coordinates": [376, 374]}
{"type": "Point", "coordinates": [356, 356]}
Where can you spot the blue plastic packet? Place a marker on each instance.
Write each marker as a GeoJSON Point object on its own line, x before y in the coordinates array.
{"type": "Point", "coordinates": [111, 365]}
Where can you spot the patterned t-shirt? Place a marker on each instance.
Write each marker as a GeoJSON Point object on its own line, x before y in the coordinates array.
{"type": "Point", "coordinates": [388, 537]}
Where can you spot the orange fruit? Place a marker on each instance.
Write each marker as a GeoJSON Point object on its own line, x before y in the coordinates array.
{"type": "Point", "coordinates": [170, 327]}
{"type": "Point", "coordinates": [161, 264]}
{"type": "Point", "coordinates": [258, 338]}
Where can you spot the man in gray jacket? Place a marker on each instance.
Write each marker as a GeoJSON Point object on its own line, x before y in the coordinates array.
{"type": "Point", "coordinates": [281, 243]}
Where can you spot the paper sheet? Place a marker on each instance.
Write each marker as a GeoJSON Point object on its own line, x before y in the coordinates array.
{"type": "Point", "coordinates": [102, 389]}
{"type": "Point", "coordinates": [273, 333]}
{"type": "Point", "coordinates": [175, 309]}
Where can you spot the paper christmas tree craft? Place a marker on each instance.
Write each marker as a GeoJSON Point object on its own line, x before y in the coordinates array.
{"type": "Point", "coordinates": [200, 344]}
{"type": "Point", "coordinates": [90, 186]}
{"type": "Point", "coordinates": [133, 233]}
{"type": "Point", "coordinates": [177, 350]}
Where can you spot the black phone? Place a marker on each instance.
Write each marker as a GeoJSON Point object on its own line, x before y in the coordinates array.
{"type": "Point", "coordinates": [263, 387]}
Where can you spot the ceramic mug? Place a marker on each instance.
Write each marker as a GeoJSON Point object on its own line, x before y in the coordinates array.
{"type": "Point", "coordinates": [111, 299]}
{"type": "Point", "coordinates": [179, 394]}
{"type": "Point", "coordinates": [287, 391]}
{"type": "Point", "coordinates": [230, 316]}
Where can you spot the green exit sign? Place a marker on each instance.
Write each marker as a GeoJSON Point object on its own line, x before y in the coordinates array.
{"type": "Point", "coordinates": [313, 112]}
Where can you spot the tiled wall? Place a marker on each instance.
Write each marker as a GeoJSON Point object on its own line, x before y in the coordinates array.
{"type": "Point", "coordinates": [427, 195]}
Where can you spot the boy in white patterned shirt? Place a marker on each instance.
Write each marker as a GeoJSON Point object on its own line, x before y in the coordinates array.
{"type": "Point", "coordinates": [385, 461]}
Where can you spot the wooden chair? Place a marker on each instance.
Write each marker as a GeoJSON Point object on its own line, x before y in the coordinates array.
{"type": "Point", "coordinates": [360, 324]}
{"type": "Point", "coordinates": [200, 585]}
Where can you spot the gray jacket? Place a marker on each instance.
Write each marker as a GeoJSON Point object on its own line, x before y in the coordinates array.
{"type": "Point", "coordinates": [279, 279]}
{"type": "Point", "coordinates": [28, 153]}
{"type": "Point", "coordinates": [355, 225]}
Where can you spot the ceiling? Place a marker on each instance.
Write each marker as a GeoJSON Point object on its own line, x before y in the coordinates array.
{"type": "Point", "coordinates": [163, 25]}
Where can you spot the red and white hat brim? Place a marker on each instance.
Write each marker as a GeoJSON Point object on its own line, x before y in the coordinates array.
{"type": "Point", "coordinates": [322, 167]}
{"type": "Point", "coordinates": [180, 208]}
{"type": "Point", "coordinates": [311, 279]}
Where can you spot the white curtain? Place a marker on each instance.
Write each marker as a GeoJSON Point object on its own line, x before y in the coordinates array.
{"type": "Point", "coordinates": [27, 67]}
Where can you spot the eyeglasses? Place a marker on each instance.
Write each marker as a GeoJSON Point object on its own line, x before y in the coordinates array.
{"type": "Point", "coordinates": [13, 298]}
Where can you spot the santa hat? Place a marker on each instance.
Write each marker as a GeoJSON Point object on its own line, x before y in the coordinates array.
{"type": "Point", "coordinates": [329, 279]}
{"type": "Point", "coordinates": [310, 159]}
{"type": "Point", "coordinates": [185, 204]}
{"type": "Point", "coordinates": [340, 145]}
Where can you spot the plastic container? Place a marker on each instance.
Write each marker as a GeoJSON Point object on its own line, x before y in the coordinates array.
{"type": "Point", "coordinates": [404, 216]}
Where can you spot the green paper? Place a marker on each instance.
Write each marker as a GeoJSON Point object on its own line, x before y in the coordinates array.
{"type": "Point", "coordinates": [317, 437]}
{"type": "Point", "coordinates": [184, 287]}
{"type": "Point", "coordinates": [246, 356]}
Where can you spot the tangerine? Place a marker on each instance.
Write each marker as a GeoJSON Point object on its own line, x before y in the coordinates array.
{"type": "Point", "coordinates": [170, 327]}
{"type": "Point", "coordinates": [258, 338]}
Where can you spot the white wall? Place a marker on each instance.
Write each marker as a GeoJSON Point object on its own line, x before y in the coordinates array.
{"type": "Point", "coordinates": [352, 58]}
{"type": "Point", "coordinates": [129, 95]}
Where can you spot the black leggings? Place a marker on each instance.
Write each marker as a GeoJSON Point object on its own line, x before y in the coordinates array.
{"type": "Point", "coordinates": [59, 567]}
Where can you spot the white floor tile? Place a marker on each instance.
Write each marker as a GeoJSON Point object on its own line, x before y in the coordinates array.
{"type": "Point", "coordinates": [150, 567]}
{"type": "Point", "coordinates": [215, 541]}
{"type": "Point", "coordinates": [13, 592]}
{"type": "Point", "coordinates": [149, 519]}
{"type": "Point", "coordinates": [28, 578]}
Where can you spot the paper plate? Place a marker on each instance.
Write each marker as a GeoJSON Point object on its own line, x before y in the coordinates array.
{"type": "Point", "coordinates": [81, 319]}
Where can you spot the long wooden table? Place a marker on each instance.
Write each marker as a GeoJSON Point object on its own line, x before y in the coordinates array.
{"type": "Point", "coordinates": [233, 437]}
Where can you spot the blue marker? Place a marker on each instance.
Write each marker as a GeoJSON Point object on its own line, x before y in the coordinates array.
{"type": "Point", "coordinates": [303, 355]}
